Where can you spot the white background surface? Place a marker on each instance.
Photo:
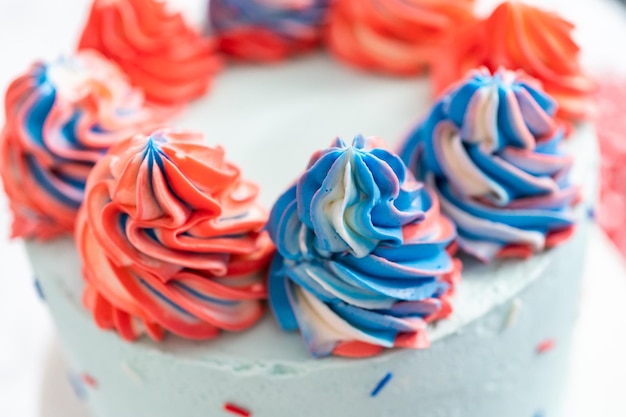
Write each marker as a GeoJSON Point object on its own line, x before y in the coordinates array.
{"type": "Point", "coordinates": [29, 368]}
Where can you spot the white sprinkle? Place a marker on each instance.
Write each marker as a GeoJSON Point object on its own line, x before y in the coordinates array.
{"type": "Point", "coordinates": [132, 374]}
{"type": "Point", "coordinates": [513, 315]}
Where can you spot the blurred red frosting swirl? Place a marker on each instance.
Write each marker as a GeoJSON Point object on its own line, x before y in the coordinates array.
{"type": "Point", "coordinates": [159, 51]}
{"type": "Point", "coordinates": [171, 237]}
{"type": "Point", "coordinates": [520, 36]}
{"type": "Point", "coordinates": [393, 36]}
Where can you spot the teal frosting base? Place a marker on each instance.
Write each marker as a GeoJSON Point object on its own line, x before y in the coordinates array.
{"type": "Point", "coordinates": [483, 361]}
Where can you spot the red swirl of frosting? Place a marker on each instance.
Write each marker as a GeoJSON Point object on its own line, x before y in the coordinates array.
{"type": "Point", "coordinates": [171, 239]}
{"type": "Point", "coordinates": [518, 36]}
{"type": "Point", "coordinates": [158, 50]}
{"type": "Point", "coordinates": [61, 117]}
{"type": "Point", "coordinates": [394, 36]}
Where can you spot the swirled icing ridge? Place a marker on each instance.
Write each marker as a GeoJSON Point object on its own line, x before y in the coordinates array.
{"type": "Point", "coordinates": [158, 50]}
{"type": "Point", "coordinates": [491, 149]}
{"type": "Point", "coordinates": [60, 119]}
{"type": "Point", "coordinates": [171, 239]}
{"type": "Point", "coordinates": [394, 36]}
{"type": "Point", "coordinates": [361, 259]}
{"type": "Point", "coordinates": [267, 30]}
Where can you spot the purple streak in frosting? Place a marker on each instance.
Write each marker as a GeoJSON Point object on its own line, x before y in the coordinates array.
{"type": "Point", "coordinates": [361, 252]}
{"type": "Point", "coordinates": [289, 18]}
{"type": "Point", "coordinates": [491, 149]}
{"type": "Point", "coordinates": [267, 30]}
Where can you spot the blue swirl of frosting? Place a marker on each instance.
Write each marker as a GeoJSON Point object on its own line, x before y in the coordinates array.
{"type": "Point", "coordinates": [292, 20]}
{"type": "Point", "coordinates": [361, 251]}
{"type": "Point", "coordinates": [491, 149]}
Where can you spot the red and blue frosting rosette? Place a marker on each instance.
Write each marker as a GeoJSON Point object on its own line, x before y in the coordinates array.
{"type": "Point", "coordinates": [491, 149]}
{"type": "Point", "coordinates": [267, 30]}
{"type": "Point", "coordinates": [61, 118]}
{"type": "Point", "coordinates": [171, 237]}
{"type": "Point", "coordinates": [362, 257]}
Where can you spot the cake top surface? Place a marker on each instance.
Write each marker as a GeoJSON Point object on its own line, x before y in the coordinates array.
{"type": "Point", "coordinates": [272, 132]}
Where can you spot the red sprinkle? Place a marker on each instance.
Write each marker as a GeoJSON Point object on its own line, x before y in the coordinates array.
{"type": "Point", "coordinates": [546, 346]}
{"type": "Point", "coordinates": [232, 408]}
{"type": "Point", "coordinates": [89, 380]}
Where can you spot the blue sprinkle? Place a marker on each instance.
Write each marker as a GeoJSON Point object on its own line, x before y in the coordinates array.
{"type": "Point", "coordinates": [591, 213]}
{"type": "Point", "coordinates": [77, 385]}
{"type": "Point", "coordinates": [381, 384]}
{"type": "Point", "coordinates": [39, 289]}
{"type": "Point", "coordinates": [539, 414]}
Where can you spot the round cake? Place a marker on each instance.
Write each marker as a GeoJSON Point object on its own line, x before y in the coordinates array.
{"type": "Point", "coordinates": [503, 351]}
{"type": "Point", "coordinates": [309, 238]}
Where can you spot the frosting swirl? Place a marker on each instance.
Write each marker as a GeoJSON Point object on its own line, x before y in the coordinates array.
{"type": "Point", "coordinates": [60, 119]}
{"type": "Point", "coordinates": [158, 50]}
{"type": "Point", "coordinates": [490, 148]}
{"type": "Point", "coordinates": [519, 36]}
{"type": "Point", "coordinates": [362, 261]}
{"type": "Point", "coordinates": [267, 30]}
{"type": "Point", "coordinates": [394, 36]}
{"type": "Point", "coordinates": [171, 239]}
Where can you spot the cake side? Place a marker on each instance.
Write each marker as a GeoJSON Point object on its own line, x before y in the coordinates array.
{"type": "Point", "coordinates": [486, 367]}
